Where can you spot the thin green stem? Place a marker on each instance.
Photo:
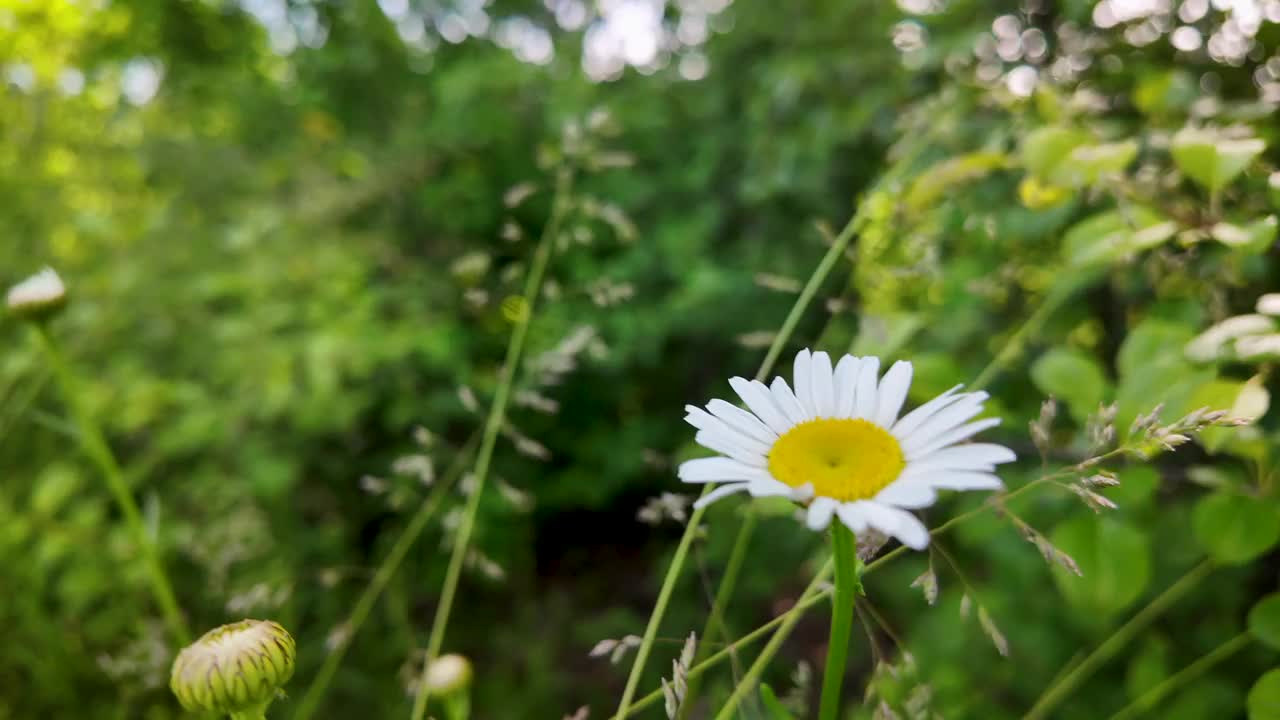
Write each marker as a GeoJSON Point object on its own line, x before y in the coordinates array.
{"type": "Point", "coordinates": [493, 424]}
{"type": "Point", "coordinates": [94, 444]}
{"type": "Point", "coordinates": [1058, 692]}
{"type": "Point", "coordinates": [729, 581]}
{"type": "Point", "coordinates": [844, 550]}
{"type": "Point", "coordinates": [1149, 699]}
{"type": "Point", "coordinates": [787, 623]}
{"type": "Point", "coordinates": [1013, 347]}
{"type": "Point", "coordinates": [715, 619]}
{"type": "Point", "coordinates": [812, 596]}
{"type": "Point", "coordinates": [390, 564]}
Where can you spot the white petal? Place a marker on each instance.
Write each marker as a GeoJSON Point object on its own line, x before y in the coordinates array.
{"type": "Point", "coordinates": [726, 445]}
{"type": "Point", "coordinates": [960, 480]}
{"type": "Point", "coordinates": [698, 417]}
{"type": "Point", "coordinates": [822, 385]}
{"type": "Point", "coordinates": [846, 382]}
{"type": "Point", "coordinates": [717, 469]}
{"type": "Point", "coordinates": [742, 421]}
{"type": "Point", "coordinates": [977, 456]}
{"type": "Point", "coordinates": [802, 377]}
{"type": "Point", "coordinates": [943, 421]}
{"type": "Point", "coordinates": [953, 436]}
{"type": "Point", "coordinates": [759, 401]}
{"type": "Point", "coordinates": [787, 402]}
{"type": "Point", "coordinates": [893, 392]}
{"type": "Point", "coordinates": [898, 523]}
{"type": "Point", "coordinates": [704, 420]}
{"type": "Point", "coordinates": [864, 401]}
{"type": "Point", "coordinates": [820, 512]}
{"type": "Point", "coordinates": [853, 516]}
{"type": "Point", "coordinates": [906, 493]}
{"type": "Point", "coordinates": [913, 419]}
{"type": "Point", "coordinates": [767, 486]}
{"type": "Point", "coordinates": [720, 492]}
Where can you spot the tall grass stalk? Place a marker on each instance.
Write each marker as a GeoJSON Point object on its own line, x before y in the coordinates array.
{"type": "Point", "coordinates": [94, 444]}
{"type": "Point", "coordinates": [1148, 700]}
{"type": "Point", "coordinates": [497, 415]}
{"type": "Point", "coordinates": [1060, 690]}
{"type": "Point", "coordinates": [728, 581]}
{"type": "Point", "coordinates": [386, 570]}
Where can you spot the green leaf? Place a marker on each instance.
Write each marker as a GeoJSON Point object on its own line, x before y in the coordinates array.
{"type": "Point", "coordinates": [1114, 559]}
{"type": "Point", "coordinates": [1264, 697]}
{"type": "Point", "coordinates": [1087, 164]}
{"type": "Point", "coordinates": [1113, 235]}
{"type": "Point", "coordinates": [1264, 621]}
{"type": "Point", "coordinates": [1044, 149]}
{"type": "Point", "coordinates": [1235, 529]}
{"type": "Point", "coordinates": [1137, 486]}
{"type": "Point", "coordinates": [1153, 370]}
{"type": "Point", "coordinates": [775, 708]}
{"type": "Point", "coordinates": [1211, 159]}
{"type": "Point", "coordinates": [1254, 238]}
{"type": "Point", "coordinates": [1165, 92]}
{"type": "Point", "coordinates": [1074, 377]}
{"type": "Point", "coordinates": [1247, 400]}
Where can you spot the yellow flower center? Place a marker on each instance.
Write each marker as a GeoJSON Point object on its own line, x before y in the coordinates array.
{"type": "Point", "coordinates": [843, 459]}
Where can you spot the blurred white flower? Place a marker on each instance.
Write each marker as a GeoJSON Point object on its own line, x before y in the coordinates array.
{"type": "Point", "coordinates": [836, 443]}
{"type": "Point", "coordinates": [38, 295]}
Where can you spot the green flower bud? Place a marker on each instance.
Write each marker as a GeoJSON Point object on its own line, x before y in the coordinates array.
{"type": "Point", "coordinates": [39, 297]}
{"type": "Point", "coordinates": [448, 674]}
{"type": "Point", "coordinates": [236, 668]}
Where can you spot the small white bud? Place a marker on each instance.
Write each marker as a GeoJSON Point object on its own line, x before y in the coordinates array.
{"type": "Point", "coordinates": [38, 297]}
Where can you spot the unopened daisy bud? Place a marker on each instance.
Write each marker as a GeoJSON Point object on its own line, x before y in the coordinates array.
{"type": "Point", "coordinates": [38, 297]}
{"type": "Point", "coordinates": [236, 668]}
{"type": "Point", "coordinates": [449, 674]}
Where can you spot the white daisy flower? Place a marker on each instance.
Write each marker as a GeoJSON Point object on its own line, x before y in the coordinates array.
{"type": "Point", "coordinates": [37, 295]}
{"type": "Point", "coordinates": [836, 443]}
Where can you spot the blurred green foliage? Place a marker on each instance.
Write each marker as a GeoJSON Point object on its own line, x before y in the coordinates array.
{"type": "Point", "coordinates": [293, 239]}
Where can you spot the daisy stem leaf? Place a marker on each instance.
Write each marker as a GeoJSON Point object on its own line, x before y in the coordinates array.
{"type": "Point", "coordinates": [844, 551]}
{"type": "Point", "coordinates": [386, 571]}
{"type": "Point", "coordinates": [95, 445]}
{"type": "Point", "coordinates": [497, 415]}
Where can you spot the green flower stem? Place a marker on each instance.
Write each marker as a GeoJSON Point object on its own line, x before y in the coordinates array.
{"type": "Point", "coordinates": [497, 415]}
{"type": "Point", "coordinates": [1149, 699]}
{"type": "Point", "coordinates": [787, 623]}
{"type": "Point", "coordinates": [1059, 691]}
{"type": "Point", "coordinates": [95, 446]}
{"type": "Point", "coordinates": [729, 580]}
{"type": "Point", "coordinates": [844, 549]}
{"type": "Point", "coordinates": [390, 564]}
